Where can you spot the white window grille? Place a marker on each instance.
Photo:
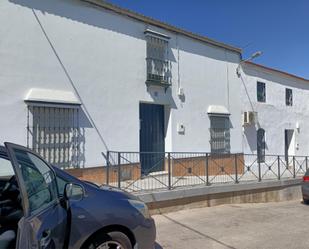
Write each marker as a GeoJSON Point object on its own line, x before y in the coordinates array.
{"type": "Point", "coordinates": [54, 133]}
{"type": "Point", "coordinates": [158, 65]}
{"type": "Point", "coordinates": [220, 134]}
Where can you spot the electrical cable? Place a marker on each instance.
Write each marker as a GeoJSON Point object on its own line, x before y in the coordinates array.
{"type": "Point", "coordinates": [71, 81]}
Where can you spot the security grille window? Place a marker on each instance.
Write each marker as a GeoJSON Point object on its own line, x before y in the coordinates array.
{"type": "Point", "coordinates": [261, 145]}
{"type": "Point", "coordinates": [158, 65]}
{"type": "Point", "coordinates": [288, 97]}
{"type": "Point", "coordinates": [261, 92]}
{"type": "Point", "coordinates": [219, 134]}
{"type": "Point", "coordinates": [54, 133]}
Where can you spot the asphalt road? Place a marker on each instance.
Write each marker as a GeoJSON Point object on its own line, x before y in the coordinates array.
{"type": "Point", "coordinates": [237, 226]}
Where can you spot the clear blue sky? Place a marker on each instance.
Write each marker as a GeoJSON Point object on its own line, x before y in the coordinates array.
{"type": "Point", "coordinates": [279, 28]}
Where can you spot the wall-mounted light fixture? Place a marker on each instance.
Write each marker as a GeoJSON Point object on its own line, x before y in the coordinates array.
{"type": "Point", "coordinates": [253, 56]}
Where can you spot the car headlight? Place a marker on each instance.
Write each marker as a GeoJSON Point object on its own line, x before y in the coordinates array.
{"type": "Point", "coordinates": [141, 207]}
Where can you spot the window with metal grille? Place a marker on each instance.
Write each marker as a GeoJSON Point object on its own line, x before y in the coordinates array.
{"type": "Point", "coordinates": [261, 144]}
{"type": "Point", "coordinates": [158, 65]}
{"type": "Point", "coordinates": [288, 97]}
{"type": "Point", "coordinates": [219, 134]}
{"type": "Point", "coordinates": [261, 92]}
{"type": "Point", "coordinates": [54, 133]}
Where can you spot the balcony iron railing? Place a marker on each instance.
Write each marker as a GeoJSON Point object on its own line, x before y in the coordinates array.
{"type": "Point", "coordinates": [158, 72]}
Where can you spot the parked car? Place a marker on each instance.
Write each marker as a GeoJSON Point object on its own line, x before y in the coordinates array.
{"type": "Point", "coordinates": [305, 187]}
{"type": "Point", "coordinates": [44, 207]}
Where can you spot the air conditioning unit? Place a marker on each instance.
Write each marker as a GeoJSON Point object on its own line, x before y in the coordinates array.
{"type": "Point", "coordinates": [249, 118]}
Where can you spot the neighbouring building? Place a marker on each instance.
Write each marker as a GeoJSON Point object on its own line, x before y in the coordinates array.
{"type": "Point", "coordinates": [275, 112]}
{"type": "Point", "coordinates": [82, 77]}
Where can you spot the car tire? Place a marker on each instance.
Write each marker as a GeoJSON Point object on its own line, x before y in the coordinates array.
{"type": "Point", "coordinates": [306, 201]}
{"type": "Point", "coordinates": [111, 240]}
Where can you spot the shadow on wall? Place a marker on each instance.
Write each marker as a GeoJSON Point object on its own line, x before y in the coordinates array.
{"type": "Point", "coordinates": [210, 51]}
{"type": "Point", "coordinates": [58, 134]}
{"type": "Point", "coordinates": [161, 96]}
{"type": "Point", "coordinates": [250, 133]}
{"type": "Point", "coordinates": [275, 77]}
{"type": "Point", "coordinates": [79, 11]}
{"type": "Point", "coordinates": [158, 246]}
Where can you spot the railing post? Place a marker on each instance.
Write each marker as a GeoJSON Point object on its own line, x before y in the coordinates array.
{"type": "Point", "coordinates": [279, 174]}
{"type": "Point", "coordinates": [294, 172]}
{"type": "Point", "coordinates": [119, 169]}
{"type": "Point", "coordinates": [236, 169]}
{"type": "Point", "coordinates": [207, 170]}
{"type": "Point", "coordinates": [107, 168]}
{"type": "Point", "coordinates": [169, 171]}
{"type": "Point", "coordinates": [259, 168]}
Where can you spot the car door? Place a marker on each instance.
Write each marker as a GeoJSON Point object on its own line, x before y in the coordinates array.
{"type": "Point", "coordinates": [44, 223]}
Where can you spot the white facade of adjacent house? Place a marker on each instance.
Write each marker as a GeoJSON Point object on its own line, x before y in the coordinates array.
{"type": "Point", "coordinates": [282, 113]}
{"type": "Point", "coordinates": [73, 80]}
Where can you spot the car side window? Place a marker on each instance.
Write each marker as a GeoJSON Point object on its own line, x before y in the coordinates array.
{"type": "Point", "coordinates": [6, 169]}
{"type": "Point", "coordinates": [40, 181]}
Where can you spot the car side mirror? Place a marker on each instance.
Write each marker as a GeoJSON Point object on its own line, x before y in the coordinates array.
{"type": "Point", "coordinates": [74, 192]}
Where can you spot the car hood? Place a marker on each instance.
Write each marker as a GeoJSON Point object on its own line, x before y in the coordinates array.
{"type": "Point", "coordinates": [121, 193]}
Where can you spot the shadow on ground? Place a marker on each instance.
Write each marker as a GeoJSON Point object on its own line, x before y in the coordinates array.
{"type": "Point", "coordinates": [157, 246]}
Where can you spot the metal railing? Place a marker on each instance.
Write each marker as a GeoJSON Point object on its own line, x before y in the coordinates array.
{"type": "Point", "coordinates": [158, 71]}
{"type": "Point", "coordinates": [146, 171]}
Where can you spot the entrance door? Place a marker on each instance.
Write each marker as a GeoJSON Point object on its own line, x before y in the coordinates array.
{"type": "Point", "coordinates": [288, 144]}
{"type": "Point", "coordinates": [45, 220]}
{"type": "Point", "coordinates": [152, 145]}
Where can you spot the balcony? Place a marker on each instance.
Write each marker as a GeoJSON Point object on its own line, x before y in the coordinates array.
{"type": "Point", "coordinates": [158, 73]}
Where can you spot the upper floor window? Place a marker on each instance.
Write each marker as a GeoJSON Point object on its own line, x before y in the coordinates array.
{"type": "Point", "coordinates": [261, 92]}
{"type": "Point", "coordinates": [158, 65]}
{"type": "Point", "coordinates": [220, 134]}
{"type": "Point", "coordinates": [288, 97]}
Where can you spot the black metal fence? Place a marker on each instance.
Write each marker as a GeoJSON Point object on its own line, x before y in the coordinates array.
{"type": "Point", "coordinates": [146, 171]}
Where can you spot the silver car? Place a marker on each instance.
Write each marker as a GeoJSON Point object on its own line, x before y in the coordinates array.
{"type": "Point", "coordinates": [305, 187]}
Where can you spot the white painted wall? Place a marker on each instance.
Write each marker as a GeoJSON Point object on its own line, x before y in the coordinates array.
{"type": "Point", "coordinates": [208, 77]}
{"type": "Point", "coordinates": [274, 116]}
{"type": "Point", "coordinates": [104, 54]}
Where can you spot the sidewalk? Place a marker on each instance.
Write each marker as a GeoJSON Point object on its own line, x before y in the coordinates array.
{"type": "Point", "coordinates": [242, 226]}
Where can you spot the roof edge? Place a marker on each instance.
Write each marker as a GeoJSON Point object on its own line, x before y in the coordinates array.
{"type": "Point", "coordinates": [277, 71]}
{"type": "Point", "coordinates": [160, 24]}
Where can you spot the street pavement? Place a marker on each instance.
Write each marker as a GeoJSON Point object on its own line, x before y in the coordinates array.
{"type": "Point", "coordinates": [236, 226]}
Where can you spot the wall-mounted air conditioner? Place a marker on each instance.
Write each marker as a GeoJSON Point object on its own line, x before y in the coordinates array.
{"type": "Point", "coordinates": [249, 118]}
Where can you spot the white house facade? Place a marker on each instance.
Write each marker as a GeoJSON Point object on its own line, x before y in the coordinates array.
{"type": "Point", "coordinates": [278, 104]}
{"type": "Point", "coordinates": [79, 78]}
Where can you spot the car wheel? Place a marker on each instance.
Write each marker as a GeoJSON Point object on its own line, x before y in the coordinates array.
{"type": "Point", "coordinates": [306, 201]}
{"type": "Point", "coordinates": [112, 240]}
